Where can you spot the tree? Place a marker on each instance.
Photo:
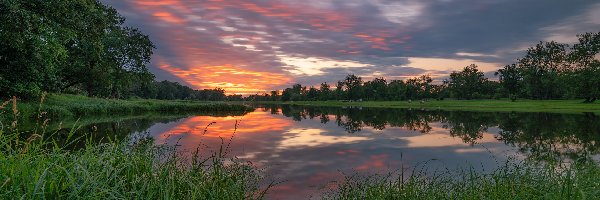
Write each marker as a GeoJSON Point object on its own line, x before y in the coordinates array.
{"type": "Point", "coordinates": [468, 83]}
{"type": "Point", "coordinates": [312, 93]}
{"type": "Point", "coordinates": [353, 85]}
{"type": "Point", "coordinates": [585, 79]}
{"type": "Point", "coordinates": [324, 92]}
{"type": "Point", "coordinates": [63, 45]}
{"type": "Point", "coordinates": [419, 87]}
{"type": "Point", "coordinates": [396, 90]}
{"type": "Point", "coordinates": [375, 89]}
{"type": "Point", "coordinates": [510, 79]}
{"type": "Point", "coordinates": [541, 68]}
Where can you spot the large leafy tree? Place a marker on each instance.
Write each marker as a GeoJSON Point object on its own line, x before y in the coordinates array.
{"type": "Point", "coordinates": [31, 48]}
{"type": "Point", "coordinates": [64, 45]}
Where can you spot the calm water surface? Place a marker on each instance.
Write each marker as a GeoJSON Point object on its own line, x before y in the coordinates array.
{"type": "Point", "coordinates": [309, 147]}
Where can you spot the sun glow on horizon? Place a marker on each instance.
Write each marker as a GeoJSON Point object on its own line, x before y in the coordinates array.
{"type": "Point", "coordinates": [233, 79]}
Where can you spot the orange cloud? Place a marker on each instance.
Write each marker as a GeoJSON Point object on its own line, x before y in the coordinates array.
{"type": "Point", "coordinates": [377, 42]}
{"type": "Point", "coordinates": [168, 17]}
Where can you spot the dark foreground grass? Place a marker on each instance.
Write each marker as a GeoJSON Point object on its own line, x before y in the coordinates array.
{"type": "Point", "coordinates": [63, 105]}
{"type": "Point", "coordinates": [513, 181]}
{"type": "Point", "coordinates": [35, 168]}
{"type": "Point", "coordinates": [504, 105]}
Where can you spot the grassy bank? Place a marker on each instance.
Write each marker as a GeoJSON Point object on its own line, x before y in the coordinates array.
{"type": "Point", "coordinates": [555, 106]}
{"type": "Point", "coordinates": [74, 105]}
{"type": "Point", "coordinates": [35, 168]}
{"type": "Point", "coordinates": [513, 181]}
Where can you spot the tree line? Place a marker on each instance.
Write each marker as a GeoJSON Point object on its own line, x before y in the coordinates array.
{"type": "Point", "coordinates": [549, 70]}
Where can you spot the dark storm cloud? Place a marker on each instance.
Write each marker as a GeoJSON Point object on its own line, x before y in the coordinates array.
{"type": "Point", "coordinates": [242, 45]}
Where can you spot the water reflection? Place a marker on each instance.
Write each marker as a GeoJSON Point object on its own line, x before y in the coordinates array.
{"type": "Point", "coordinates": [308, 147]}
{"type": "Point", "coordinates": [542, 136]}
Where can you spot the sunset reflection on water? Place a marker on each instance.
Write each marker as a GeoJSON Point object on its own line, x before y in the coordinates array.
{"type": "Point", "coordinates": [306, 149]}
{"type": "Point", "coordinates": [307, 153]}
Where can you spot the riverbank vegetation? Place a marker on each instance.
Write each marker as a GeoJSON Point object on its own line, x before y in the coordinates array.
{"type": "Point", "coordinates": [62, 106]}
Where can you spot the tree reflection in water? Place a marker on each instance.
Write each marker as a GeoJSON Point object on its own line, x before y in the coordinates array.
{"type": "Point", "coordinates": [540, 136]}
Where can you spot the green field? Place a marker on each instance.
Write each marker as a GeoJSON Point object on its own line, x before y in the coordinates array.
{"type": "Point", "coordinates": [555, 106]}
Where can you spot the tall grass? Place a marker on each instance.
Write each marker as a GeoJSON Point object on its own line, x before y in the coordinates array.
{"type": "Point", "coordinates": [34, 166]}
{"type": "Point", "coordinates": [526, 180]}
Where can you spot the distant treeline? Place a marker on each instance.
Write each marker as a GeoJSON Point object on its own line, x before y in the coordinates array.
{"type": "Point", "coordinates": [549, 70]}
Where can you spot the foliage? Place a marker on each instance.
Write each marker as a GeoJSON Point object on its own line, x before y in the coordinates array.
{"type": "Point", "coordinates": [468, 83]}
{"type": "Point", "coordinates": [62, 45]}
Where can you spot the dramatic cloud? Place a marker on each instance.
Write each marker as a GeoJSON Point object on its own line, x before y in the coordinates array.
{"type": "Point", "coordinates": [250, 46]}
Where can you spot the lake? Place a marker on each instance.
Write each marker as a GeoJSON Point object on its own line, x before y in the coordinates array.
{"type": "Point", "coordinates": [307, 148]}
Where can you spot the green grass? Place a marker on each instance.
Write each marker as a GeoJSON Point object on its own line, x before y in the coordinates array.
{"type": "Point", "coordinates": [37, 168]}
{"type": "Point", "coordinates": [63, 105]}
{"type": "Point", "coordinates": [554, 106]}
{"type": "Point", "coordinates": [513, 181]}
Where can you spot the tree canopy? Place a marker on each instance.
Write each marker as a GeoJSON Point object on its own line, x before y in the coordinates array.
{"type": "Point", "coordinates": [69, 46]}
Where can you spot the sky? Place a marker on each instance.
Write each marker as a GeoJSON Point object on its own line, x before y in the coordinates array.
{"type": "Point", "coordinates": [253, 46]}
